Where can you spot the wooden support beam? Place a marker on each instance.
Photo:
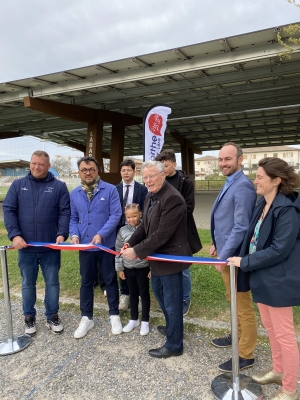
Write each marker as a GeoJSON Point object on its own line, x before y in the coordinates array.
{"type": "Point", "coordinates": [62, 110]}
{"type": "Point", "coordinates": [119, 118]}
{"type": "Point", "coordinates": [182, 141]}
{"type": "Point", "coordinates": [94, 141]}
{"type": "Point", "coordinates": [79, 113]}
{"type": "Point", "coordinates": [76, 146]}
{"type": "Point", "coordinates": [82, 148]}
{"type": "Point", "coordinates": [9, 135]}
{"type": "Point", "coordinates": [187, 161]}
{"type": "Point", "coordinates": [117, 147]}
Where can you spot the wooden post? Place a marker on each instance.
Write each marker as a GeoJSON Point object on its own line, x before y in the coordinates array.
{"type": "Point", "coordinates": [94, 141]}
{"type": "Point", "coordinates": [117, 146]}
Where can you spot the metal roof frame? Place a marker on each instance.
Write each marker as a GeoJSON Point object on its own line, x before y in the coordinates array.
{"type": "Point", "coordinates": [230, 89]}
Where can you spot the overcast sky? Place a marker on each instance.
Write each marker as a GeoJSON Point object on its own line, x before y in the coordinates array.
{"type": "Point", "coordinates": [39, 37]}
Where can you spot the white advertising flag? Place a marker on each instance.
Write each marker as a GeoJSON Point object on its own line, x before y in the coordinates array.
{"type": "Point", "coordinates": [155, 123]}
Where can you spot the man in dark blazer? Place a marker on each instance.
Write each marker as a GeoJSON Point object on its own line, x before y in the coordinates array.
{"type": "Point", "coordinates": [185, 186]}
{"type": "Point", "coordinates": [164, 208]}
{"type": "Point", "coordinates": [230, 218]}
{"type": "Point", "coordinates": [129, 191]}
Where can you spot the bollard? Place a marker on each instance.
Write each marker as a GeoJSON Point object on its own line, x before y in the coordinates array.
{"type": "Point", "coordinates": [12, 343]}
{"type": "Point", "coordinates": [235, 386]}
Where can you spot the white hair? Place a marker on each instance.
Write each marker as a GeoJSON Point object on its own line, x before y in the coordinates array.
{"type": "Point", "coordinates": [147, 164]}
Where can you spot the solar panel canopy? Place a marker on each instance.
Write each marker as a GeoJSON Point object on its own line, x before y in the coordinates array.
{"type": "Point", "coordinates": [228, 89]}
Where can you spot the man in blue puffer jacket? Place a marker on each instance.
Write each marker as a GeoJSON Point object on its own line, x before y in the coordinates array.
{"type": "Point", "coordinates": [37, 209]}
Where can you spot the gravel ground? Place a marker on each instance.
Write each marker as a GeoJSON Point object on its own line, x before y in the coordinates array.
{"type": "Point", "coordinates": [104, 366]}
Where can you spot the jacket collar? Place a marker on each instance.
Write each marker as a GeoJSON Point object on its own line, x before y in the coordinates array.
{"type": "Point", "coordinates": [49, 177]}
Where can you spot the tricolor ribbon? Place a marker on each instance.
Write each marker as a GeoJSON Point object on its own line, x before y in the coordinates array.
{"type": "Point", "coordinates": [151, 257]}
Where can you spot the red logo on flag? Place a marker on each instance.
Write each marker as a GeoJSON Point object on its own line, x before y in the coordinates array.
{"type": "Point", "coordinates": [155, 123]}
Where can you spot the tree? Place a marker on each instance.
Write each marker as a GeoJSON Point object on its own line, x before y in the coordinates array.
{"type": "Point", "coordinates": [291, 30]}
{"type": "Point", "coordinates": [62, 165]}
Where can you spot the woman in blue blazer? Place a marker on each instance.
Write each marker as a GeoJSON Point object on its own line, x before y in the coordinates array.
{"type": "Point", "coordinates": [270, 252]}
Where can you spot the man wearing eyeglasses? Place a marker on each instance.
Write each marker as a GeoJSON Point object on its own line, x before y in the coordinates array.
{"type": "Point", "coordinates": [95, 213]}
{"type": "Point", "coordinates": [163, 231]}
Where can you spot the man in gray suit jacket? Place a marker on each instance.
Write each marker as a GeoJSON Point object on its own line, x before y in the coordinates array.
{"type": "Point", "coordinates": [230, 219]}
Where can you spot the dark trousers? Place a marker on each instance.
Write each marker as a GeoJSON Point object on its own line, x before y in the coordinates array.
{"type": "Point", "coordinates": [88, 270]}
{"type": "Point", "coordinates": [168, 291]}
{"type": "Point", "coordinates": [138, 283]}
{"type": "Point", "coordinates": [124, 287]}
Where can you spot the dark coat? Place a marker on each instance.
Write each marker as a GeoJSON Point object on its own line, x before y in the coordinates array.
{"type": "Point", "coordinates": [186, 189]}
{"type": "Point", "coordinates": [275, 266]}
{"type": "Point", "coordinates": [38, 210]}
{"type": "Point", "coordinates": [164, 231]}
{"type": "Point", "coordinates": [139, 195]}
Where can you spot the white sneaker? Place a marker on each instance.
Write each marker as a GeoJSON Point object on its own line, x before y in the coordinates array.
{"type": "Point", "coordinates": [116, 326]}
{"type": "Point", "coordinates": [144, 328]}
{"type": "Point", "coordinates": [85, 325]}
{"type": "Point", "coordinates": [124, 302]}
{"type": "Point", "coordinates": [131, 325]}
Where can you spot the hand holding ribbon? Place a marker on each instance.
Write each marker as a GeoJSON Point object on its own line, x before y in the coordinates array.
{"type": "Point", "coordinates": [236, 261]}
{"type": "Point", "coordinates": [128, 252]}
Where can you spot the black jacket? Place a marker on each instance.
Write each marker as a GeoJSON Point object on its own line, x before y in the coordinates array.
{"type": "Point", "coordinates": [139, 195]}
{"type": "Point", "coordinates": [186, 189]}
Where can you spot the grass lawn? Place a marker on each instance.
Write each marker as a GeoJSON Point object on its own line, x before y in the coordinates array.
{"type": "Point", "coordinates": [208, 294]}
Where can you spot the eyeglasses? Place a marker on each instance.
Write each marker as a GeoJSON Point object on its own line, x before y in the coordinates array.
{"type": "Point", "coordinates": [88, 171]}
{"type": "Point", "coordinates": [150, 177]}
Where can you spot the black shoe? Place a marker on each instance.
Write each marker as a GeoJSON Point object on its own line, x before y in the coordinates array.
{"type": "Point", "coordinates": [243, 364]}
{"type": "Point", "coordinates": [163, 352]}
{"type": "Point", "coordinates": [162, 329]}
{"type": "Point", "coordinates": [222, 342]}
{"type": "Point", "coordinates": [186, 306]}
{"type": "Point", "coordinates": [54, 324]}
{"type": "Point", "coordinates": [30, 328]}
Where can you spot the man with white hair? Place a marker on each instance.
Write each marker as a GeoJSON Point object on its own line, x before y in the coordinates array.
{"type": "Point", "coordinates": [164, 208]}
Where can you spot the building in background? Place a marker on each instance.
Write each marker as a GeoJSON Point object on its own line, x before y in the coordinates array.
{"type": "Point", "coordinates": [208, 165]}
{"type": "Point", "coordinates": [253, 155]}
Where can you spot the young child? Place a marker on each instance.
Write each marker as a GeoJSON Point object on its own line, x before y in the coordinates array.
{"type": "Point", "coordinates": [136, 273]}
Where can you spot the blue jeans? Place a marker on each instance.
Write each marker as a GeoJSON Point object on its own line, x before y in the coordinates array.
{"type": "Point", "coordinates": [29, 263]}
{"type": "Point", "coordinates": [88, 269]}
{"type": "Point", "coordinates": [168, 292]}
{"type": "Point", "coordinates": [187, 284]}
